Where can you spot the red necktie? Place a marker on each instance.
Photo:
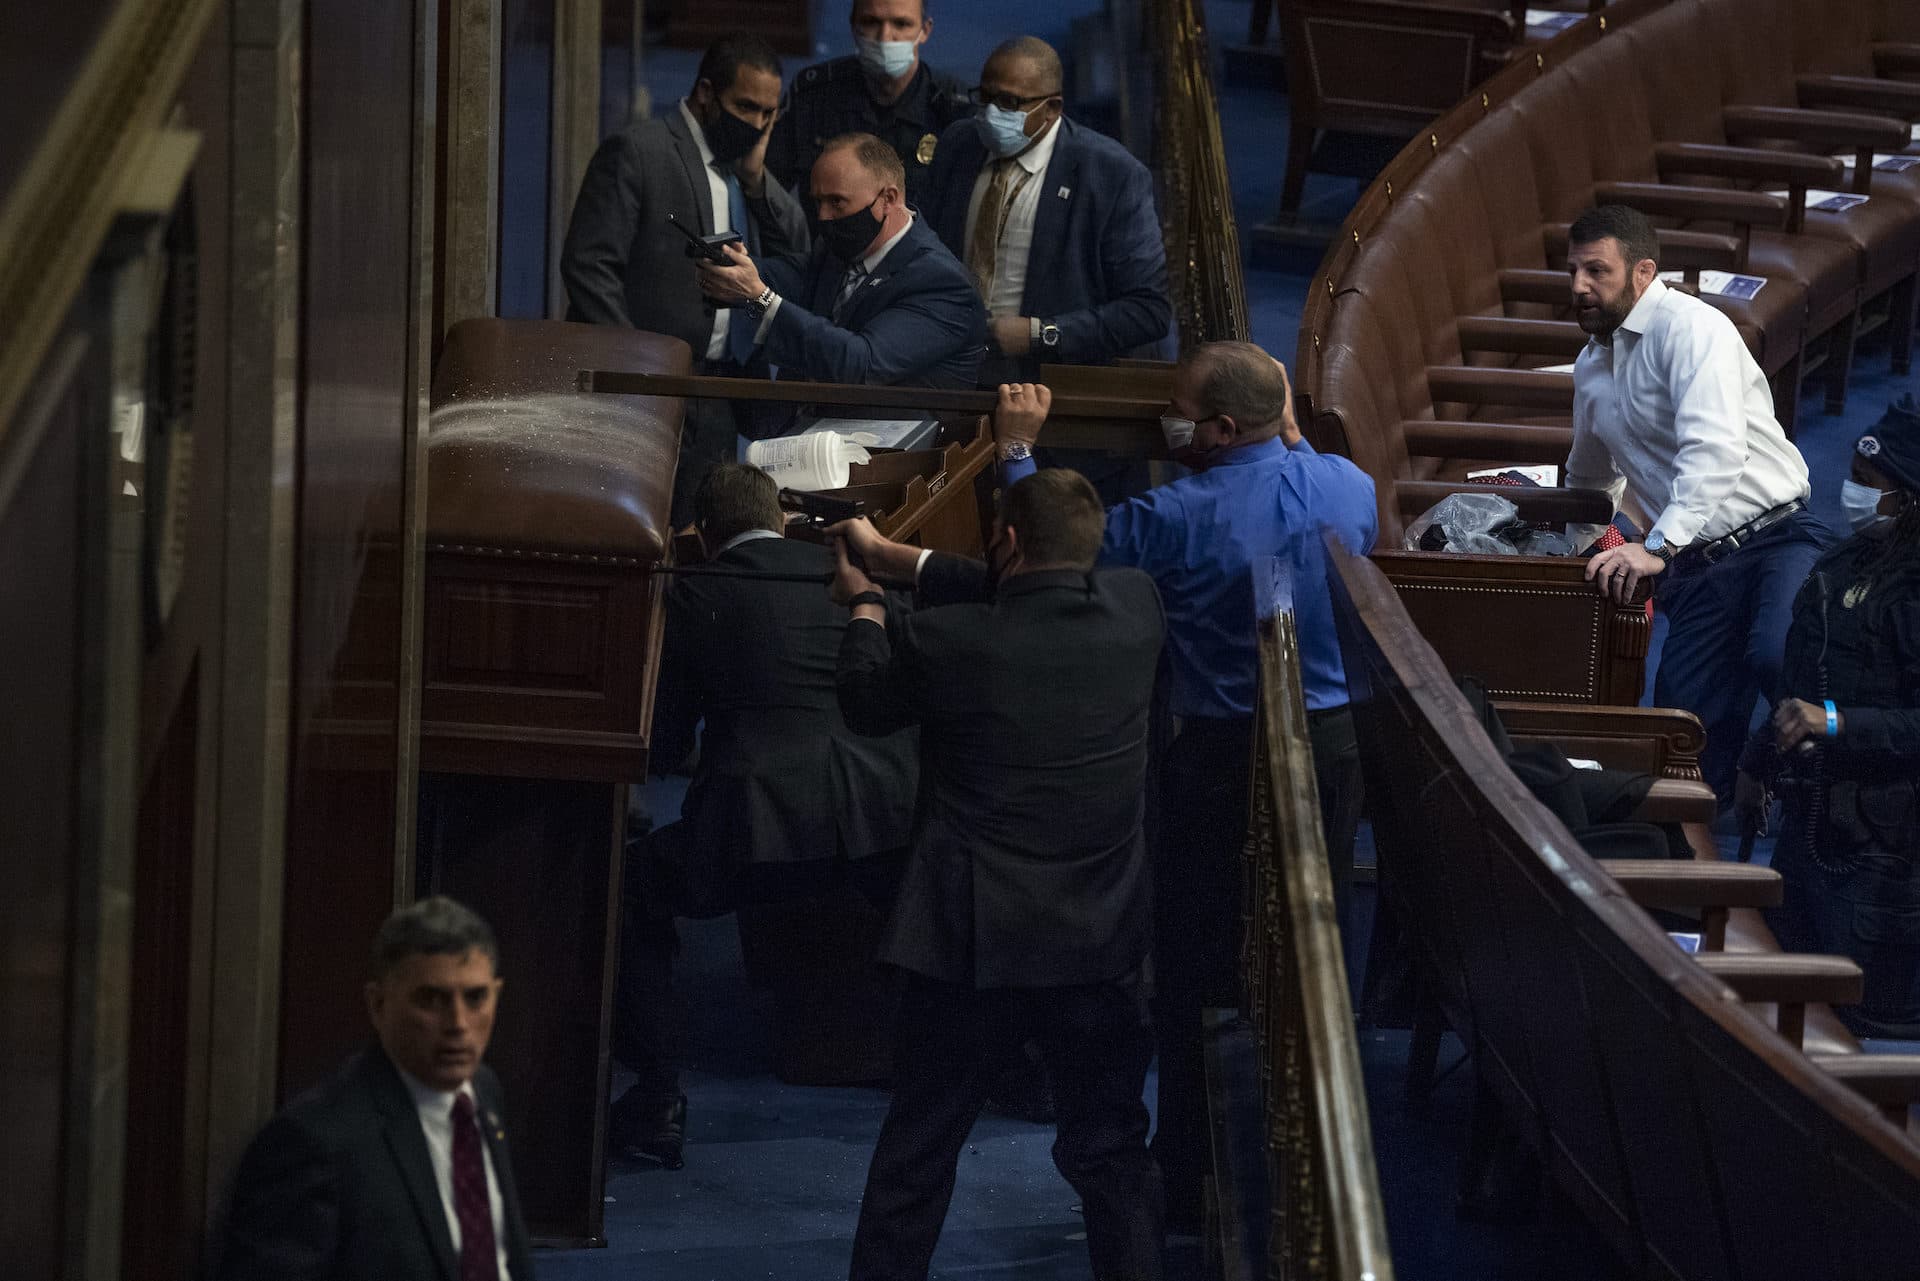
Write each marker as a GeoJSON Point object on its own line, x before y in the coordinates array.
{"type": "Point", "coordinates": [478, 1261]}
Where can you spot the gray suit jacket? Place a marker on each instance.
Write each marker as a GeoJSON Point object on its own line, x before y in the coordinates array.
{"type": "Point", "coordinates": [624, 265]}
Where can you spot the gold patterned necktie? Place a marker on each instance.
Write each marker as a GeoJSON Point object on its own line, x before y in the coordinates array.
{"type": "Point", "coordinates": [984, 246]}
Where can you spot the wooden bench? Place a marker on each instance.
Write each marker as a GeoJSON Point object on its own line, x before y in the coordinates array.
{"type": "Point", "coordinates": [1663, 1097]}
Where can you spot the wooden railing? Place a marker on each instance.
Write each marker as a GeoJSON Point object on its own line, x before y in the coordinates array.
{"type": "Point", "coordinates": [1203, 242]}
{"type": "Point", "coordinates": [1326, 1218]}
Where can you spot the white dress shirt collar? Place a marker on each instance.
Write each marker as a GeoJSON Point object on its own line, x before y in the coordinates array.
{"type": "Point", "coordinates": [1642, 314]}
{"type": "Point", "coordinates": [1036, 158]}
{"type": "Point", "coordinates": [872, 261]}
{"type": "Point", "coordinates": [746, 536]}
{"type": "Point", "coordinates": [699, 133]}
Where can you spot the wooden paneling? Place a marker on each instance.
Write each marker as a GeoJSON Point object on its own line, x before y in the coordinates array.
{"type": "Point", "coordinates": [41, 669]}
{"type": "Point", "coordinates": [359, 270]}
{"type": "Point", "coordinates": [541, 860]}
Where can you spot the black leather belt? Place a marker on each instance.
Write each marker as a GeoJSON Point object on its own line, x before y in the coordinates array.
{"type": "Point", "coordinates": [1727, 544]}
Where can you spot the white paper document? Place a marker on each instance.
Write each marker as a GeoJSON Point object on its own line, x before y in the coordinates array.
{"type": "Point", "coordinates": [1721, 284]}
{"type": "Point", "coordinates": [1885, 162]}
{"type": "Point", "coordinates": [1557, 369]}
{"type": "Point", "coordinates": [1552, 20]}
{"type": "Point", "coordinates": [1827, 201]}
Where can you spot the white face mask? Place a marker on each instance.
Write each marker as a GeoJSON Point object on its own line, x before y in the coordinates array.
{"type": "Point", "coordinates": [1862, 505]}
{"type": "Point", "coordinates": [886, 59]}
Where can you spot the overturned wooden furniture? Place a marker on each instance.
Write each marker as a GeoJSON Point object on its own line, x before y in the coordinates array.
{"type": "Point", "coordinates": [548, 513]}
{"type": "Point", "coordinates": [1669, 1097]}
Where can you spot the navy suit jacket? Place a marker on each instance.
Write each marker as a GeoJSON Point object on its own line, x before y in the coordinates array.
{"type": "Point", "coordinates": [1098, 267]}
{"type": "Point", "coordinates": [917, 321]}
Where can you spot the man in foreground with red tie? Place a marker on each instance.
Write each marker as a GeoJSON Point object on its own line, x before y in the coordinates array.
{"type": "Point", "coordinates": [397, 1169]}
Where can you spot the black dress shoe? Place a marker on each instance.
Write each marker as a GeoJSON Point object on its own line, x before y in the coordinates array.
{"type": "Point", "coordinates": [651, 1127]}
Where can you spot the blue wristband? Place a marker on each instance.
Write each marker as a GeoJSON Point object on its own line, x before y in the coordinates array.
{"type": "Point", "coordinates": [1833, 720]}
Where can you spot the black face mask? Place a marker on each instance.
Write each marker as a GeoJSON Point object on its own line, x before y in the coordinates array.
{"type": "Point", "coordinates": [848, 236]}
{"type": "Point", "coordinates": [728, 136]}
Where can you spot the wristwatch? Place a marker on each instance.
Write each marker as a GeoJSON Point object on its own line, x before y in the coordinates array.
{"type": "Point", "coordinates": [1657, 544]}
{"type": "Point", "coordinates": [867, 598]}
{"type": "Point", "coordinates": [758, 307]}
{"type": "Point", "coordinates": [1015, 450]}
{"type": "Point", "coordinates": [1049, 335]}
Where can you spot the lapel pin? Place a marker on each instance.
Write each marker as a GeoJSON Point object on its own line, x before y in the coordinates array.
{"type": "Point", "coordinates": [1064, 192]}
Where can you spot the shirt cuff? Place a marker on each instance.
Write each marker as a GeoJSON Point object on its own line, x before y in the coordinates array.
{"type": "Point", "coordinates": [766, 321]}
{"type": "Point", "coordinates": [920, 563]}
{"type": "Point", "coordinates": [1016, 469]}
{"type": "Point", "coordinates": [1679, 526]}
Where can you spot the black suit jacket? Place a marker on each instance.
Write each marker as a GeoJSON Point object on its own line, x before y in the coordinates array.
{"type": "Point", "coordinates": [339, 1187]}
{"type": "Point", "coordinates": [917, 321]}
{"type": "Point", "coordinates": [622, 263]}
{"type": "Point", "coordinates": [1028, 868]}
{"type": "Point", "coordinates": [781, 779]}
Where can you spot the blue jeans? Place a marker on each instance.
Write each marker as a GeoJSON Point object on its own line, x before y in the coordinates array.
{"type": "Point", "coordinates": [1727, 635]}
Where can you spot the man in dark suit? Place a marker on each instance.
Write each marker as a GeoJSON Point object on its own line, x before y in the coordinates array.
{"type": "Point", "coordinates": [1024, 910]}
{"type": "Point", "coordinates": [878, 300]}
{"type": "Point", "coordinates": [397, 1169]}
{"type": "Point", "coordinates": [1055, 222]}
{"type": "Point", "coordinates": [785, 799]}
{"type": "Point", "coordinates": [705, 165]}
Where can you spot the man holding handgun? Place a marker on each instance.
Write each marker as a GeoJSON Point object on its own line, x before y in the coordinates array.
{"type": "Point", "coordinates": [701, 170]}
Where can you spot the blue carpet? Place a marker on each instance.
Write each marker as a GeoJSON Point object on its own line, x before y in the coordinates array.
{"type": "Point", "coordinates": [774, 1172]}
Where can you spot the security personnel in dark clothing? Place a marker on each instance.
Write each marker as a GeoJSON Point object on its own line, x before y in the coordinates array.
{"type": "Point", "coordinates": [885, 89]}
{"type": "Point", "coordinates": [1843, 749]}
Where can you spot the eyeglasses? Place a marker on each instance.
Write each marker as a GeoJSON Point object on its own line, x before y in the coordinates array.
{"type": "Point", "coordinates": [981, 96]}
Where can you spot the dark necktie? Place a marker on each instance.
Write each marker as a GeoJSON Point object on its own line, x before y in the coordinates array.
{"type": "Point", "coordinates": [849, 285]}
{"type": "Point", "coordinates": [478, 1259]}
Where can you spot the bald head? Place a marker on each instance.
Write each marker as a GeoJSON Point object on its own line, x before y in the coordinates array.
{"type": "Point", "coordinates": [1236, 383]}
{"type": "Point", "coordinates": [1027, 59]}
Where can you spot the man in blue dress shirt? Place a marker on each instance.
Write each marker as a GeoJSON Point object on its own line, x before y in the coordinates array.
{"type": "Point", "coordinates": [1258, 492]}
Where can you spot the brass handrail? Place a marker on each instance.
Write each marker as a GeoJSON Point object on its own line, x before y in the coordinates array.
{"type": "Point", "coordinates": [1203, 241]}
{"type": "Point", "coordinates": [1327, 1220]}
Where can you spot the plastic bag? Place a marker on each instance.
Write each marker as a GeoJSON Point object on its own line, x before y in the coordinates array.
{"type": "Point", "coordinates": [1464, 523]}
{"type": "Point", "coordinates": [1482, 525]}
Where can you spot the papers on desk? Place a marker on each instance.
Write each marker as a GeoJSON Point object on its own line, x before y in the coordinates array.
{"type": "Point", "coordinates": [1557, 369]}
{"type": "Point", "coordinates": [880, 433]}
{"type": "Point", "coordinates": [1688, 943]}
{"type": "Point", "coordinates": [1547, 22]}
{"type": "Point", "coordinates": [1721, 284]}
{"type": "Point", "coordinates": [1915, 135]}
{"type": "Point", "coordinates": [1546, 474]}
{"type": "Point", "coordinates": [1885, 162]}
{"type": "Point", "coordinates": [1827, 201]}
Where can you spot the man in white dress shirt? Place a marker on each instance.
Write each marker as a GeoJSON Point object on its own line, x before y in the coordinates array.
{"type": "Point", "coordinates": [397, 1169]}
{"type": "Point", "coordinates": [1669, 404]}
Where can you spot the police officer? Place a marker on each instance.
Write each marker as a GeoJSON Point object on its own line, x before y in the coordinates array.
{"type": "Point", "coordinates": [885, 89]}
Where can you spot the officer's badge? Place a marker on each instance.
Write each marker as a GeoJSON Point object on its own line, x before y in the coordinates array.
{"type": "Point", "coordinates": [924, 153]}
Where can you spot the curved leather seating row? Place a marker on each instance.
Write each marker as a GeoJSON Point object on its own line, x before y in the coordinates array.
{"type": "Point", "coordinates": [1426, 332]}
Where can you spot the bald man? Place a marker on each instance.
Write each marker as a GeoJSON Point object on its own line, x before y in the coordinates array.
{"type": "Point", "coordinates": [1054, 221]}
{"type": "Point", "coordinates": [878, 301]}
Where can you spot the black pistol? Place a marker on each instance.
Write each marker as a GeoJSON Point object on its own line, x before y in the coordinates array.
{"type": "Point", "coordinates": [820, 510]}
{"type": "Point", "coordinates": [712, 248]}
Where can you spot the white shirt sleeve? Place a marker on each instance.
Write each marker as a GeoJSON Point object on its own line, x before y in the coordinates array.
{"type": "Point", "coordinates": [1591, 466]}
{"type": "Point", "coordinates": [1709, 423]}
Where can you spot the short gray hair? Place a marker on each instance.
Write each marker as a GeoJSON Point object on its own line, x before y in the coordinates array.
{"type": "Point", "coordinates": [1241, 381]}
{"type": "Point", "coordinates": [435, 926]}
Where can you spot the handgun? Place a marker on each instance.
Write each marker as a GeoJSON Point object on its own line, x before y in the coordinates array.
{"type": "Point", "coordinates": [818, 509]}
{"type": "Point", "coordinates": [712, 248]}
